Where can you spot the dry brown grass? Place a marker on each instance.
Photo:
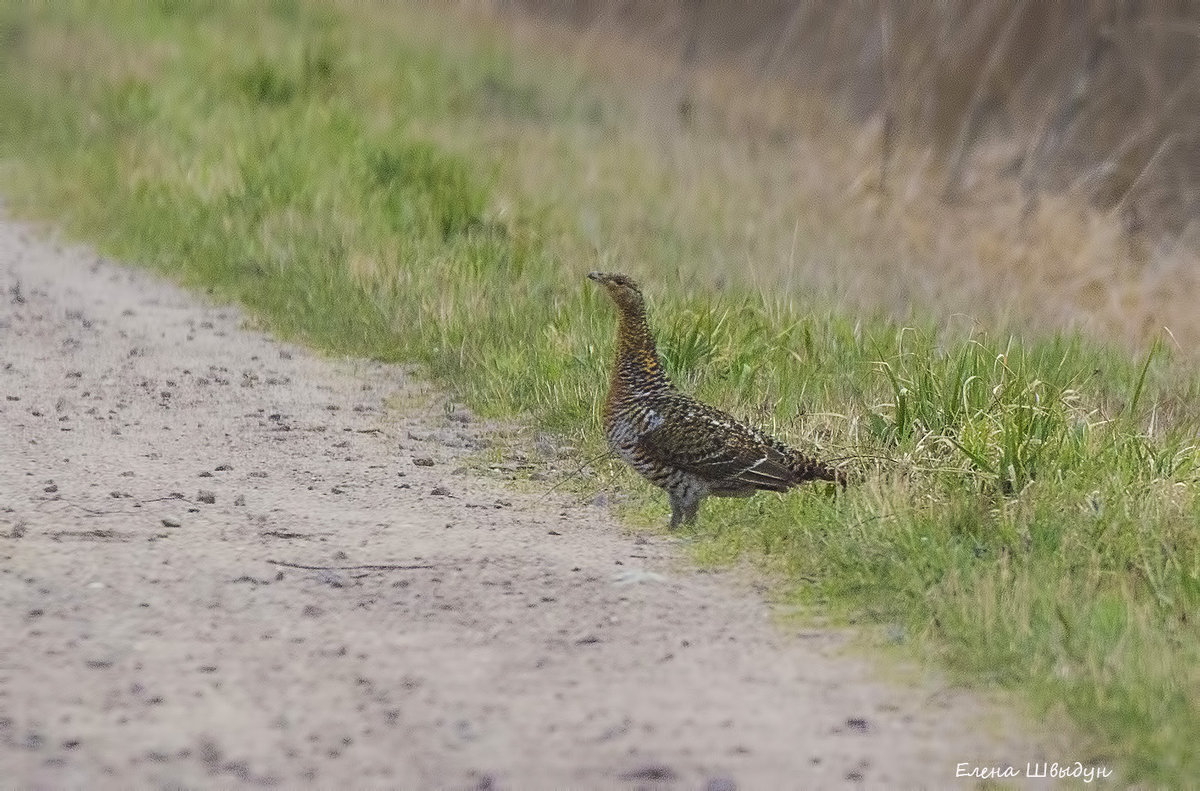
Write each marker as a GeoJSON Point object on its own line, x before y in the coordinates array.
{"type": "Point", "coordinates": [778, 185]}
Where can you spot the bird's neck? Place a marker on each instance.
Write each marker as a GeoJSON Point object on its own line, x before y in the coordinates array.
{"type": "Point", "coordinates": [638, 368]}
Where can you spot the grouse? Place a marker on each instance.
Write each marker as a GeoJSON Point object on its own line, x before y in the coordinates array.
{"type": "Point", "coordinates": [688, 448]}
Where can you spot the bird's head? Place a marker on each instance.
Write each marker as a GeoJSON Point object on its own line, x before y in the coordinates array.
{"type": "Point", "coordinates": [623, 290]}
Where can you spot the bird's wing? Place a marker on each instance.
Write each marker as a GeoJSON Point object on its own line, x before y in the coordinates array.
{"type": "Point", "coordinates": [714, 446]}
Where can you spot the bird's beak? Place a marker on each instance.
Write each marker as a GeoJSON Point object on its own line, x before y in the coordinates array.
{"type": "Point", "coordinates": [597, 276]}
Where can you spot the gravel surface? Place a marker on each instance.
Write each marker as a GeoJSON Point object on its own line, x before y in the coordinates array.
{"type": "Point", "coordinates": [166, 475]}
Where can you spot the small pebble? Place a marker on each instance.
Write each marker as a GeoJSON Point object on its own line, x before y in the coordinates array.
{"type": "Point", "coordinates": [660, 772]}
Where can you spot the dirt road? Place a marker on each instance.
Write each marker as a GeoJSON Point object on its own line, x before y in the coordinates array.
{"type": "Point", "coordinates": [160, 465]}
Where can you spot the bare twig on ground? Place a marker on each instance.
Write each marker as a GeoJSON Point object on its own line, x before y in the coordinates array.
{"type": "Point", "coordinates": [367, 567]}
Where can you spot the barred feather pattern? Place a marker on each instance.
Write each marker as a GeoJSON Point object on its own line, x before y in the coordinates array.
{"type": "Point", "coordinates": [682, 445]}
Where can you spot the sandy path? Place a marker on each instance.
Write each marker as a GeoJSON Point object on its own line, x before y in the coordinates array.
{"type": "Point", "coordinates": [155, 456]}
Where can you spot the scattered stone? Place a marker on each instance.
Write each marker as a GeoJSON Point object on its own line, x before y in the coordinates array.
{"type": "Point", "coordinates": [485, 783]}
{"type": "Point", "coordinates": [206, 474]}
{"type": "Point", "coordinates": [51, 489]}
{"type": "Point", "coordinates": [332, 579]}
{"type": "Point", "coordinates": [658, 772]}
{"type": "Point", "coordinates": [239, 500]}
{"type": "Point", "coordinates": [206, 497]}
{"type": "Point", "coordinates": [170, 523]}
{"type": "Point", "coordinates": [440, 491]}
{"type": "Point", "coordinates": [422, 461]}
{"type": "Point", "coordinates": [224, 467]}
{"type": "Point", "coordinates": [858, 724]}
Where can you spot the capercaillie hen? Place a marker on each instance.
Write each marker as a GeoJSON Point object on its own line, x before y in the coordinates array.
{"type": "Point", "coordinates": [688, 448]}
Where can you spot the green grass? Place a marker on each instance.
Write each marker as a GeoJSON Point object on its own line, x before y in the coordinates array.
{"type": "Point", "coordinates": [1025, 508]}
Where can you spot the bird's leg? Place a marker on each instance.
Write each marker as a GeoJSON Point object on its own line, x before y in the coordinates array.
{"type": "Point", "coordinates": [678, 511]}
{"type": "Point", "coordinates": [684, 509]}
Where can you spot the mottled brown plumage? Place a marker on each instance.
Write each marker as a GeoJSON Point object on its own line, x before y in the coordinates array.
{"type": "Point", "coordinates": [688, 448]}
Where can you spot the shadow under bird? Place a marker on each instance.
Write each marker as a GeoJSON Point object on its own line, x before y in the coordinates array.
{"type": "Point", "coordinates": [679, 444]}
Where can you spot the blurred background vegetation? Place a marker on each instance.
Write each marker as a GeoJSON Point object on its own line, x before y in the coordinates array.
{"type": "Point", "coordinates": [1046, 156]}
{"type": "Point", "coordinates": [1094, 99]}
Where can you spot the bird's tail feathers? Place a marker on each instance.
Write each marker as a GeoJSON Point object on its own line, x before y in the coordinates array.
{"type": "Point", "coordinates": [806, 468]}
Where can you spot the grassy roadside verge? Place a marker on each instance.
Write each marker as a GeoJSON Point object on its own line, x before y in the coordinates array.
{"type": "Point", "coordinates": [1028, 509]}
